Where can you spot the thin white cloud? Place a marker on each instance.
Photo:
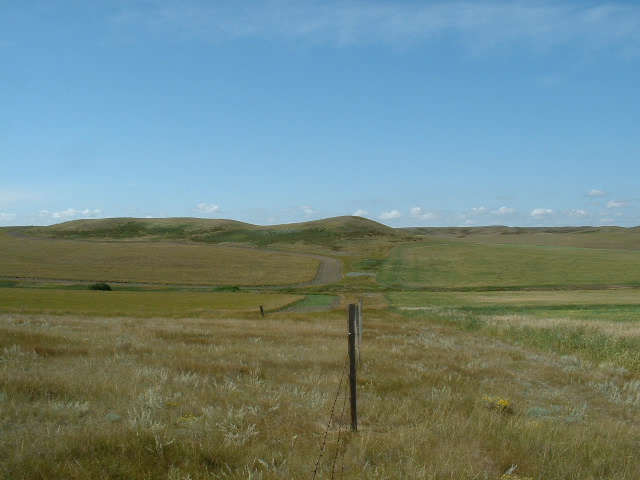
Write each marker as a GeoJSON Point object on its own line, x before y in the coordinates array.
{"type": "Point", "coordinates": [10, 197]}
{"type": "Point", "coordinates": [596, 193]}
{"type": "Point", "coordinates": [207, 209]}
{"type": "Point", "coordinates": [479, 211]}
{"type": "Point", "coordinates": [540, 213]}
{"type": "Point", "coordinates": [69, 214]}
{"type": "Point", "coordinates": [7, 217]}
{"type": "Point", "coordinates": [360, 213]}
{"type": "Point", "coordinates": [502, 211]}
{"type": "Point", "coordinates": [308, 211]}
{"type": "Point", "coordinates": [392, 215]}
{"type": "Point", "coordinates": [75, 213]}
{"type": "Point", "coordinates": [579, 213]}
{"type": "Point", "coordinates": [614, 204]}
{"type": "Point", "coordinates": [420, 214]}
{"type": "Point", "coordinates": [479, 25]}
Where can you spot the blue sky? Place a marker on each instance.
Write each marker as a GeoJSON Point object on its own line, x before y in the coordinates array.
{"type": "Point", "coordinates": [410, 113]}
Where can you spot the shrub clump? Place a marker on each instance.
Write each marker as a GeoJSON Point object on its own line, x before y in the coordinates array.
{"type": "Point", "coordinates": [100, 286]}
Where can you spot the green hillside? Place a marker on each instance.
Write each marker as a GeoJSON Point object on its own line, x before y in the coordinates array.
{"type": "Point", "coordinates": [330, 233]}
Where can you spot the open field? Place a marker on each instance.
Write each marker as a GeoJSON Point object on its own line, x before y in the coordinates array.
{"type": "Point", "coordinates": [151, 263]}
{"type": "Point", "coordinates": [599, 325]}
{"type": "Point", "coordinates": [480, 360]}
{"type": "Point", "coordinates": [457, 265]}
{"type": "Point", "coordinates": [611, 238]}
{"type": "Point", "coordinates": [229, 397]}
{"type": "Point", "coordinates": [136, 304]}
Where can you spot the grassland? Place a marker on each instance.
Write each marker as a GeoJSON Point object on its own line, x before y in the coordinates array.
{"type": "Point", "coordinates": [230, 397]}
{"type": "Point", "coordinates": [150, 263]}
{"type": "Point", "coordinates": [479, 361]}
{"type": "Point", "coordinates": [137, 304]}
{"type": "Point", "coordinates": [457, 265]}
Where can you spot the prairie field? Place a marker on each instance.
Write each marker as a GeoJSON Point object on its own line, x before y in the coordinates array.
{"type": "Point", "coordinates": [232, 397]}
{"type": "Point", "coordinates": [467, 371]}
{"type": "Point", "coordinates": [159, 263]}
{"type": "Point", "coordinates": [137, 303]}
{"type": "Point", "coordinates": [456, 265]}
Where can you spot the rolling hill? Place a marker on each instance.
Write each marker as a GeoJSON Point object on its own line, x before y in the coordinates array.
{"type": "Point", "coordinates": [329, 232]}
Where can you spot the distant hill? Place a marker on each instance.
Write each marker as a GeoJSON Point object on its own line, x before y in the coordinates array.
{"type": "Point", "coordinates": [330, 232]}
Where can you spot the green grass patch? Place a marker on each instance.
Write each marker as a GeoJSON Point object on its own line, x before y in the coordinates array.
{"type": "Point", "coordinates": [136, 304]}
{"type": "Point", "coordinates": [457, 265]}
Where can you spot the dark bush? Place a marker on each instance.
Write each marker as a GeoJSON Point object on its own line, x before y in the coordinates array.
{"type": "Point", "coordinates": [100, 286]}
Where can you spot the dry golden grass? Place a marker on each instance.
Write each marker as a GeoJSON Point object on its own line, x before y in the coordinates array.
{"type": "Point", "coordinates": [150, 262]}
{"type": "Point", "coordinates": [533, 298]}
{"type": "Point", "coordinates": [610, 329]}
{"type": "Point", "coordinates": [105, 398]}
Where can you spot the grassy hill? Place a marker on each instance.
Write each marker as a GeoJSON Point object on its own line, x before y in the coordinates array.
{"type": "Point", "coordinates": [330, 233]}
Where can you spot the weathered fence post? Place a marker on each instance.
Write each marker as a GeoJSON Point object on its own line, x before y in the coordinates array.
{"type": "Point", "coordinates": [262, 311]}
{"type": "Point", "coordinates": [359, 330]}
{"type": "Point", "coordinates": [353, 313]}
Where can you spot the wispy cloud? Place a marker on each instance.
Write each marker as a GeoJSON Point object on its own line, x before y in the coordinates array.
{"type": "Point", "coordinates": [479, 25]}
{"type": "Point", "coordinates": [596, 193]}
{"type": "Point", "coordinates": [69, 214]}
{"type": "Point", "coordinates": [502, 211]}
{"type": "Point", "coordinates": [308, 211]}
{"type": "Point", "coordinates": [391, 215]}
{"type": "Point", "coordinates": [420, 213]}
{"type": "Point", "coordinates": [475, 211]}
{"type": "Point", "coordinates": [540, 213]}
{"type": "Point", "coordinates": [9, 196]}
{"type": "Point", "coordinates": [619, 204]}
{"type": "Point", "coordinates": [7, 217]}
{"type": "Point", "coordinates": [579, 213]}
{"type": "Point", "coordinates": [206, 209]}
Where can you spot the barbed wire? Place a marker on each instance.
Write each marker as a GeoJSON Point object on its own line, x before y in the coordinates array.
{"type": "Point", "coordinates": [341, 445]}
{"type": "Point", "coordinates": [332, 419]}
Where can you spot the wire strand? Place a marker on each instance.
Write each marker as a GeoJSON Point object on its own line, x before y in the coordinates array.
{"type": "Point", "coordinates": [331, 417]}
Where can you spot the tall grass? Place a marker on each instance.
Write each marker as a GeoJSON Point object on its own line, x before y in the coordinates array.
{"type": "Point", "coordinates": [137, 398]}
{"type": "Point", "coordinates": [567, 323]}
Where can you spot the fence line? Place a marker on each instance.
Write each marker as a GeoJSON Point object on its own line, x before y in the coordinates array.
{"type": "Point", "coordinates": [354, 323]}
{"type": "Point", "coordinates": [332, 416]}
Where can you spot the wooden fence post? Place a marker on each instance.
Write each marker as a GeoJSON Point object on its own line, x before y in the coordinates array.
{"type": "Point", "coordinates": [353, 313]}
{"type": "Point", "coordinates": [359, 330]}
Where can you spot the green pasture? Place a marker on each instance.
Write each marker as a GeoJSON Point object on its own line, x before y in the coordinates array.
{"type": "Point", "coordinates": [609, 305]}
{"type": "Point", "coordinates": [458, 265]}
{"type": "Point", "coordinates": [136, 304]}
